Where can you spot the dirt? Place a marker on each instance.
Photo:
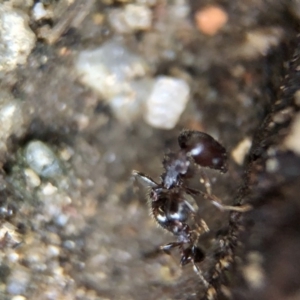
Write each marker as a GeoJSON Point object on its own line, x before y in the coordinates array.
{"type": "Point", "coordinates": [108, 247]}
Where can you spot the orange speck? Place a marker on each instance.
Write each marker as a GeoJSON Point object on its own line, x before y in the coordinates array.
{"type": "Point", "coordinates": [64, 51]}
{"type": "Point", "coordinates": [211, 19]}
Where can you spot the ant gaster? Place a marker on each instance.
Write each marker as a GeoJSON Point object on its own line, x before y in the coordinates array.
{"type": "Point", "coordinates": [169, 198]}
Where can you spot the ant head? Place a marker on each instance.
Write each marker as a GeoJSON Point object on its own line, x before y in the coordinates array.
{"type": "Point", "coordinates": [205, 150]}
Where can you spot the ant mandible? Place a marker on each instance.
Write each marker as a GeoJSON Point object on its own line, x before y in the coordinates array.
{"type": "Point", "coordinates": [169, 199]}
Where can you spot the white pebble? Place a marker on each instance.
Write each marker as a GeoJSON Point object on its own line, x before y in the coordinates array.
{"type": "Point", "coordinates": [16, 38]}
{"type": "Point", "coordinates": [49, 189]}
{"type": "Point", "coordinates": [11, 117]}
{"type": "Point", "coordinates": [42, 159]}
{"type": "Point", "coordinates": [62, 219]}
{"type": "Point", "coordinates": [241, 150]}
{"type": "Point", "coordinates": [166, 102]}
{"type": "Point", "coordinates": [39, 12]}
{"type": "Point", "coordinates": [292, 141]}
{"type": "Point", "coordinates": [19, 297]}
{"type": "Point", "coordinates": [133, 17]}
{"type": "Point", "coordinates": [70, 245]}
{"type": "Point", "coordinates": [13, 257]}
{"type": "Point", "coordinates": [118, 76]}
{"type": "Point", "coordinates": [32, 179]}
{"type": "Point", "coordinates": [128, 107]}
{"type": "Point", "coordinates": [52, 251]}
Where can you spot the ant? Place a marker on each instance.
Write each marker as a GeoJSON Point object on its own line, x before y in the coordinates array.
{"type": "Point", "coordinates": [169, 199]}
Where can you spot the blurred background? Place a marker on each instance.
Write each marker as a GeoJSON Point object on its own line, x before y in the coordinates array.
{"type": "Point", "coordinates": [93, 89]}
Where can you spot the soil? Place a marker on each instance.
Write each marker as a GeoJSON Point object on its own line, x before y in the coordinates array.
{"type": "Point", "coordinates": [108, 246]}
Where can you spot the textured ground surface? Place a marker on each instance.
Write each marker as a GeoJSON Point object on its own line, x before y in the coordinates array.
{"type": "Point", "coordinates": [85, 232]}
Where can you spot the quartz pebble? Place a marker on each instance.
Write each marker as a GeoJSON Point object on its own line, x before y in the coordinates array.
{"type": "Point", "coordinates": [11, 118]}
{"type": "Point", "coordinates": [109, 69]}
{"type": "Point", "coordinates": [18, 297]}
{"type": "Point", "coordinates": [16, 38]}
{"type": "Point", "coordinates": [42, 159]}
{"type": "Point", "coordinates": [131, 18]}
{"type": "Point", "coordinates": [166, 102]}
{"type": "Point", "coordinates": [292, 141]}
{"type": "Point", "coordinates": [39, 12]}
{"type": "Point", "coordinates": [118, 76]}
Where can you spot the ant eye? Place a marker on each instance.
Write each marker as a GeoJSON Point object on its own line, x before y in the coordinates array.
{"type": "Point", "coordinates": [153, 195]}
{"type": "Point", "coordinates": [204, 149]}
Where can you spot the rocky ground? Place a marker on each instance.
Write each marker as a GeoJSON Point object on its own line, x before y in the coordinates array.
{"type": "Point", "coordinates": [91, 90]}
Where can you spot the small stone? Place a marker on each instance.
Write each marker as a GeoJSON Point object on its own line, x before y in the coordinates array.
{"type": "Point", "coordinates": [241, 150]}
{"type": "Point", "coordinates": [166, 102]}
{"type": "Point", "coordinates": [258, 42]}
{"type": "Point", "coordinates": [70, 245]}
{"type": "Point", "coordinates": [32, 179]}
{"type": "Point", "coordinates": [42, 159]}
{"type": "Point", "coordinates": [39, 12]}
{"type": "Point", "coordinates": [133, 17]}
{"type": "Point", "coordinates": [211, 19]}
{"type": "Point", "coordinates": [16, 38]}
{"type": "Point", "coordinates": [13, 257]}
{"type": "Point", "coordinates": [253, 271]}
{"type": "Point", "coordinates": [49, 189]}
{"type": "Point", "coordinates": [18, 281]}
{"type": "Point", "coordinates": [66, 153]}
{"type": "Point", "coordinates": [292, 141]}
{"type": "Point", "coordinates": [109, 69]}
{"type": "Point", "coordinates": [11, 117]}
{"type": "Point", "coordinates": [118, 76]}
{"type": "Point", "coordinates": [62, 220]}
{"type": "Point", "coordinates": [19, 297]}
{"type": "Point", "coordinates": [53, 251]}
{"type": "Point", "coordinates": [272, 165]}
{"type": "Point", "coordinates": [98, 18]}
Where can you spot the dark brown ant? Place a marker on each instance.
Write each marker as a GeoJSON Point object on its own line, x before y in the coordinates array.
{"type": "Point", "coordinates": [169, 198]}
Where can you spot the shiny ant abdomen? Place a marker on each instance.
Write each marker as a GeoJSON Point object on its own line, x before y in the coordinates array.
{"type": "Point", "coordinates": [169, 199]}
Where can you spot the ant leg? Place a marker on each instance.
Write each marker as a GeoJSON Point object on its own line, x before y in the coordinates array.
{"type": "Point", "coordinates": [194, 254]}
{"type": "Point", "coordinates": [200, 274]}
{"type": "Point", "coordinates": [166, 248]}
{"type": "Point", "coordinates": [200, 228]}
{"type": "Point", "coordinates": [217, 202]}
{"type": "Point", "coordinates": [198, 256]}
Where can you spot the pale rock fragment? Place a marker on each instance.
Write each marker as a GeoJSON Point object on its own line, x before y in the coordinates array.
{"type": "Point", "coordinates": [166, 102]}
{"type": "Point", "coordinates": [131, 18]}
{"type": "Point", "coordinates": [42, 159]}
{"type": "Point", "coordinates": [118, 76]}
{"type": "Point", "coordinates": [16, 38]}
{"type": "Point", "coordinates": [292, 141]}
{"type": "Point", "coordinates": [241, 150]}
